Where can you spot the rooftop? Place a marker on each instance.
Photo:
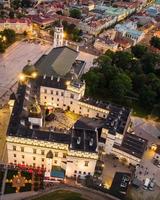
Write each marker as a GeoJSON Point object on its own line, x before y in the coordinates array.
{"type": "Point", "coordinates": [58, 62]}
{"type": "Point", "coordinates": [84, 140]}
{"type": "Point", "coordinates": [133, 144]}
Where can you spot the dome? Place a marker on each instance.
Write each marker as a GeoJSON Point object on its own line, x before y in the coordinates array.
{"type": "Point", "coordinates": [29, 68]}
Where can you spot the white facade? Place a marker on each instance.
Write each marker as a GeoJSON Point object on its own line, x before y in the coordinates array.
{"type": "Point", "coordinates": [69, 99]}
{"type": "Point", "coordinates": [58, 36]}
{"type": "Point", "coordinates": [34, 153]}
{"type": "Point", "coordinates": [18, 25]}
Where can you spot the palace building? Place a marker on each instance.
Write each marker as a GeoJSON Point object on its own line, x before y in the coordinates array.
{"type": "Point", "coordinates": [74, 147]}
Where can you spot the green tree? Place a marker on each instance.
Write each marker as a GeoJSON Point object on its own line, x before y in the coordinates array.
{"type": "Point", "coordinates": [2, 47]}
{"type": "Point", "coordinates": [75, 13]}
{"type": "Point", "coordinates": [139, 50]}
{"type": "Point", "coordinates": [155, 42]}
{"type": "Point", "coordinates": [123, 59]}
{"type": "Point", "coordinates": [120, 86]}
{"type": "Point", "coordinates": [10, 35]}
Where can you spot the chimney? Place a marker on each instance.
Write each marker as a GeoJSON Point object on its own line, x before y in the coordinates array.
{"type": "Point", "coordinates": [44, 76]}
{"type": "Point", "coordinates": [58, 79]}
{"type": "Point", "coordinates": [77, 48]}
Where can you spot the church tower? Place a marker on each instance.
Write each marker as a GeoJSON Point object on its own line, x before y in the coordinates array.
{"type": "Point", "coordinates": [58, 35]}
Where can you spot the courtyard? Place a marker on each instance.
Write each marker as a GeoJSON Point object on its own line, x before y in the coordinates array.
{"type": "Point", "coordinates": [12, 63]}
{"type": "Point", "coordinates": [63, 120]}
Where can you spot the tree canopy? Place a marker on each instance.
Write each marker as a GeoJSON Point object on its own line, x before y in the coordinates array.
{"type": "Point", "coordinates": [75, 13]}
{"type": "Point", "coordinates": [131, 79]}
{"type": "Point", "coordinates": [155, 42]}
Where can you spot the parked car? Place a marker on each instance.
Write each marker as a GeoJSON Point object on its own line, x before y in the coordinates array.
{"type": "Point", "coordinates": [146, 183]}
{"type": "Point", "coordinates": [156, 163]}
{"type": "Point", "coordinates": [151, 185]}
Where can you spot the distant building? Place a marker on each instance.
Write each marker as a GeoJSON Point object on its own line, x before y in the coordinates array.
{"type": "Point", "coordinates": [58, 36]}
{"type": "Point", "coordinates": [5, 3]}
{"type": "Point", "coordinates": [18, 25]}
{"type": "Point", "coordinates": [104, 44]}
{"type": "Point", "coordinates": [129, 31]}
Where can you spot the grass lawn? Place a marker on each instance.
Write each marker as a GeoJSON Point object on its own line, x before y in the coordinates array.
{"type": "Point", "coordinates": [61, 195]}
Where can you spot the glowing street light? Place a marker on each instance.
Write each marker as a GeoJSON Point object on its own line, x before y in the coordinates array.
{"type": "Point", "coordinates": [22, 77]}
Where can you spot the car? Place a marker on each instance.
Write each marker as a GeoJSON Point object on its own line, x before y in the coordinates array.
{"type": "Point", "coordinates": [156, 163]}
{"type": "Point", "coordinates": [146, 183]}
{"type": "Point", "coordinates": [151, 185]}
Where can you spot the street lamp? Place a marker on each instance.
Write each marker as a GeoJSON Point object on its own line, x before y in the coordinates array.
{"type": "Point", "coordinates": [22, 77]}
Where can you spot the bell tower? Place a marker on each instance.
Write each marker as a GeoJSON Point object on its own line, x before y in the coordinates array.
{"type": "Point", "coordinates": [58, 35]}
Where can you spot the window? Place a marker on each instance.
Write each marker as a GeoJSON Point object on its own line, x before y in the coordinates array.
{"type": "Point", "coordinates": [15, 161]}
{"type": "Point", "coordinates": [14, 148]}
{"type": "Point", "coordinates": [55, 161]}
{"type": "Point", "coordinates": [64, 155]}
{"type": "Point", "coordinates": [51, 91]}
{"type": "Point", "coordinates": [86, 163]}
{"type": "Point", "coordinates": [23, 156]}
{"type": "Point", "coordinates": [34, 164]}
{"type": "Point", "coordinates": [45, 97]}
{"type": "Point", "coordinates": [84, 172]}
{"type": "Point", "coordinates": [104, 116]}
{"type": "Point", "coordinates": [75, 171]}
{"type": "Point", "coordinates": [57, 105]}
{"type": "Point", "coordinates": [42, 159]}
{"type": "Point", "coordinates": [71, 102]}
{"type": "Point", "coordinates": [56, 154]}
{"type": "Point", "coordinates": [42, 166]}
{"type": "Point", "coordinates": [23, 162]}
{"type": "Point", "coordinates": [88, 110]}
{"type": "Point", "coordinates": [22, 149]}
{"type": "Point", "coordinates": [72, 96]}
{"type": "Point", "coordinates": [45, 90]}
{"type": "Point", "coordinates": [52, 98]}
{"type": "Point", "coordinates": [56, 92]}
{"type": "Point", "coordinates": [42, 152]}
{"type": "Point", "coordinates": [62, 94]}
{"type": "Point", "coordinates": [80, 108]}
{"type": "Point", "coordinates": [79, 172]}
{"type": "Point", "coordinates": [64, 105]}
{"type": "Point", "coordinates": [97, 115]}
{"type": "Point", "coordinates": [57, 99]}
{"type": "Point", "coordinates": [14, 155]}
{"type": "Point", "coordinates": [34, 158]}
{"type": "Point", "coordinates": [79, 112]}
{"type": "Point", "coordinates": [89, 173]}
{"type": "Point", "coordinates": [34, 151]}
